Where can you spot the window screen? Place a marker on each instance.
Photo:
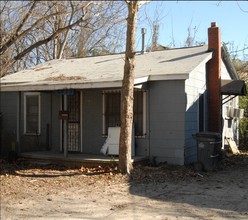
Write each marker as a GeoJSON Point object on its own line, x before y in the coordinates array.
{"type": "Point", "coordinates": [112, 111]}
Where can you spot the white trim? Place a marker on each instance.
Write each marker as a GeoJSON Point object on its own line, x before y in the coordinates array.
{"type": "Point", "coordinates": [141, 80]}
{"type": "Point", "coordinates": [25, 112]}
{"type": "Point", "coordinates": [50, 86]}
{"type": "Point", "coordinates": [88, 85]}
{"type": "Point", "coordinates": [179, 76]}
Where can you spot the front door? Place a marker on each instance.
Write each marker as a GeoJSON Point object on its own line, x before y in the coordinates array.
{"type": "Point", "coordinates": [73, 126]}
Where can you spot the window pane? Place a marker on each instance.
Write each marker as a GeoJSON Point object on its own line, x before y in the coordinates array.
{"type": "Point", "coordinates": [113, 110]}
{"type": "Point", "coordinates": [32, 114]}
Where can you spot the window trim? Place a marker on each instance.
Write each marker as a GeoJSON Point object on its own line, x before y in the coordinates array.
{"type": "Point", "coordinates": [144, 117]}
{"type": "Point", "coordinates": [26, 94]}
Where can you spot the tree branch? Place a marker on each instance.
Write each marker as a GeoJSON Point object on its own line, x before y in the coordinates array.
{"type": "Point", "coordinates": [37, 44]}
{"type": "Point", "coordinates": [18, 36]}
{"type": "Point", "coordinates": [15, 36]}
{"type": "Point", "coordinates": [66, 34]}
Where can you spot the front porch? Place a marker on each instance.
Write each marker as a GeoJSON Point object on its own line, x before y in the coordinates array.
{"type": "Point", "coordinates": [89, 160]}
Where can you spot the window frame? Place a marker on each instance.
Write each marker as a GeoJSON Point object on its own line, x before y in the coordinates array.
{"type": "Point", "coordinates": [26, 94]}
{"type": "Point", "coordinates": [144, 110]}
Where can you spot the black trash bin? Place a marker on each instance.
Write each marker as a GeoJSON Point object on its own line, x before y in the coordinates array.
{"type": "Point", "coordinates": [208, 149]}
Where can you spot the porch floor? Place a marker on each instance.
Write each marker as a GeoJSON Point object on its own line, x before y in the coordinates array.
{"type": "Point", "coordinates": [76, 157]}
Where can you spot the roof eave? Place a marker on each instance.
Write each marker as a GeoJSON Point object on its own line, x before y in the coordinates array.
{"type": "Point", "coordinates": [46, 86]}
{"type": "Point", "coordinates": [178, 76]}
{"type": "Point", "coordinates": [50, 87]}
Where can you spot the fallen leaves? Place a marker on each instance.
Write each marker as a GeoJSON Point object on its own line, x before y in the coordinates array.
{"type": "Point", "coordinates": [234, 161]}
{"type": "Point", "coordinates": [25, 177]}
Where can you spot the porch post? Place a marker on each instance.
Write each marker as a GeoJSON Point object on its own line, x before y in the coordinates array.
{"type": "Point", "coordinates": [18, 116]}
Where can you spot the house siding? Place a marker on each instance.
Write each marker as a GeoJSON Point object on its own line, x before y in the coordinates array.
{"type": "Point", "coordinates": [48, 139]}
{"type": "Point", "coordinates": [50, 131]}
{"type": "Point", "coordinates": [92, 139]}
{"type": "Point", "coordinates": [43, 140]}
{"type": "Point", "coordinates": [54, 139]}
{"type": "Point", "coordinates": [8, 105]}
{"type": "Point", "coordinates": [166, 121]}
{"type": "Point", "coordinates": [230, 125]}
{"type": "Point", "coordinates": [194, 87]}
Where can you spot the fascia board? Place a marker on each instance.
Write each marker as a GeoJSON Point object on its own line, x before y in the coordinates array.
{"type": "Point", "coordinates": [45, 87]}
{"type": "Point", "coordinates": [179, 76]}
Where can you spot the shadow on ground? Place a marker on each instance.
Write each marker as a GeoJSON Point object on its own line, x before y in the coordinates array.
{"type": "Point", "coordinates": [168, 190]}
{"type": "Point", "coordinates": [224, 190]}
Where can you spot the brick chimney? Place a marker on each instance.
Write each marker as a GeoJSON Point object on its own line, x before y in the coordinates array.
{"type": "Point", "coordinates": [214, 79]}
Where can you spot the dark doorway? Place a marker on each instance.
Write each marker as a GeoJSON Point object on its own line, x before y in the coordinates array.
{"type": "Point", "coordinates": [73, 126]}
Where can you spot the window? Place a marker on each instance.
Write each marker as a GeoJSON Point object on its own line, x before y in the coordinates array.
{"type": "Point", "coordinates": [32, 113]}
{"type": "Point", "coordinates": [112, 111]}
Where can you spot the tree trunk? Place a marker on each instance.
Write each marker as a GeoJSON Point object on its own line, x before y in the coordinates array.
{"type": "Point", "coordinates": [125, 164]}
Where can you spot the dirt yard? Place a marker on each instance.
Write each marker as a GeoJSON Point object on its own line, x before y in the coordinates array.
{"type": "Point", "coordinates": [46, 191]}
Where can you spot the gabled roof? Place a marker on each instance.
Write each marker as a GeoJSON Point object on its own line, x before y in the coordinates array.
{"type": "Point", "coordinates": [106, 71]}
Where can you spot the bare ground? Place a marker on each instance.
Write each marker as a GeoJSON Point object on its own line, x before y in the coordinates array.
{"type": "Point", "coordinates": [48, 191]}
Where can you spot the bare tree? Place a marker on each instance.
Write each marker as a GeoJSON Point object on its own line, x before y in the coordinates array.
{"type": "Point", "coordinates": [154, 22]}
{"type": "Point", "coordinates": [107, 37]}
{"type": "Point", "coordinates": [190, 40]}
{"type": "Point", "coordinates": [241, 68]}
{"type": "Point", "coordinates": [36, 31]}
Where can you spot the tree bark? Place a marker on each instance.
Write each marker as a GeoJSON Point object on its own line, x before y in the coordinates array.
{"type": "Point", "coordinates": [125, 164]}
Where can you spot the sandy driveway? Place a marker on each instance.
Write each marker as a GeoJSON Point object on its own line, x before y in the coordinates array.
{"type": "Point", "coordinates": [46, 191]}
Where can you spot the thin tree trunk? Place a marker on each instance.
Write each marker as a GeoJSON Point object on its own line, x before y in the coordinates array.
{"type": "Point", "coordinates": [125, 164]}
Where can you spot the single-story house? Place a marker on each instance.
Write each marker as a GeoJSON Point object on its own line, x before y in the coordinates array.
{"type": "Point", "coordinates": [67, 106]}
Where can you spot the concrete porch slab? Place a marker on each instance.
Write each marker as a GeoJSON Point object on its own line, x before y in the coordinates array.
{"type": "Point", "coordinates": [81, 158]}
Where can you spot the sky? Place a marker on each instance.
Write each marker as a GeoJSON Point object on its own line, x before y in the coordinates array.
{"type": "Point", "coordinates": [175, 17]}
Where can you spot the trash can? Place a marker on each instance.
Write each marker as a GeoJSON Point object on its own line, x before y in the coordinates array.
{"type": "Point", "coordinates": [208, 149]}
